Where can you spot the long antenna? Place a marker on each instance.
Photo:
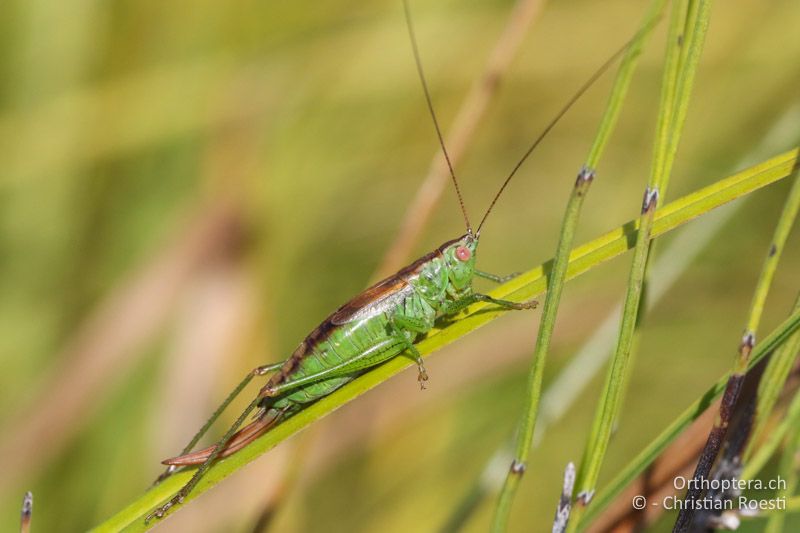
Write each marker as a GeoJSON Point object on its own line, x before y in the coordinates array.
{"type": "Point", "coordinates": [585, 87]}
{"type": "Point", "coordinates": [421, 73]}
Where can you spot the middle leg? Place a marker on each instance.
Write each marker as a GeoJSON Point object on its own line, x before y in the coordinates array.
{"type": "Point", "coordinates": [399, 323]}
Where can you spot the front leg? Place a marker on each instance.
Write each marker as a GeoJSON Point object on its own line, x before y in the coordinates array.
{"type": "Point", "coordinates": [452, 308]}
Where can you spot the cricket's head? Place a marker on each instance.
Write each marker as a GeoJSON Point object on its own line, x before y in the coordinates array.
{"type": "Point", "coordinates": [460, 257]}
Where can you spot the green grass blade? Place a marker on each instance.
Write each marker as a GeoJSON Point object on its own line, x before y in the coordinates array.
{"type": "Point", "coordinates": [780, 364]}
{"type": "Point", "coordinates": [529, 284]}
{"type": "Point", "coordinates": [732, 399]}
{"type": "Point", "coordinates": [653, 450]}
{"type": "Point", "coordinates": [608, 408]}
{"type": "Point", "coordinates": [559, 272]}
{"type": "Point", "coordinates": [790, 420]}
{"type": "Point", "coordinates": [547, 324]}
{"type": "Point", "coordinates": [782, 230]}
{"type": "Point", "coordinates": [787, 469]}
{"type": "Point", "coordinates": [669, 84]}
{"type": "Point", "coordinates": [622, 82]}
{"type": "Point", "coordinates": [678, 79]}
{"type": "Point", "coordinates": [772, 383]}
{"type": "Point", "coordinates": [659, 172]}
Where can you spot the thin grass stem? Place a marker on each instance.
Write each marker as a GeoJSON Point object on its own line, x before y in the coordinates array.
{"type": "Point", "coordinates": [733, 390]}
{"type": "Point", "coordinates": [791, 420]}
{"type": "Point", "coordinates": [533, 395]}
{"type": "Point", "coordinates": [787, 469]}
{"type": "Point", "coordinates": [676, 89]}
{"type": "Point", "coordinates": [653, 450]}
{"type": "Point", "coordinates": [558, 275]}
{"type": "Point", "coordinates": [769, 390]}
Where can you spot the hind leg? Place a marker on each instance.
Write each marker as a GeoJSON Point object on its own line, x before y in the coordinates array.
{"type": "Point", "coordinates": [201, 471]}
{"type": "Point", "coordinates": [259, 371]}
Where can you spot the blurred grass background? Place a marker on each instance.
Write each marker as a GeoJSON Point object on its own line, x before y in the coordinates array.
{"type": "Point", "coordinates": [190, 187]}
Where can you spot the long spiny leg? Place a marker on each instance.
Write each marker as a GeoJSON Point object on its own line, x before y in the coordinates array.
{"type": "Point", "coordinates": [495, 277]}
{"type": "Point", "coordinates": [203, 468]}
{"type": "Point", "coordinates": [465, 302]}
{"type": "Point", "coordinates": [259, 371]}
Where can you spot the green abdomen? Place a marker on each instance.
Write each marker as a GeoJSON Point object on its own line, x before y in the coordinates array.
{"type": "Point", "coordinates": [351, 347]}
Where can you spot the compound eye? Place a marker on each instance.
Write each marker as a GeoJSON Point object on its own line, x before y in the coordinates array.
{"type": "Point", "coordinates": [463, 253]}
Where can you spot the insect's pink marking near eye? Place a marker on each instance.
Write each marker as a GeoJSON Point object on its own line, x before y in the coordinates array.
{"type": "Point", "coordinates": [462, 253]}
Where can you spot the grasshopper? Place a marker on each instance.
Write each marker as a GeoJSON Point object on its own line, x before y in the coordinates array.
{"type": "Point", "coordinates": [381, 323]}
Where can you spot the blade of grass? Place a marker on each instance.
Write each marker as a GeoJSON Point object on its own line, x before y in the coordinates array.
{"type": "Point", "coordinates": [672, 64]}
{"type": "Point", "coordinates": [780, 364]}
{"type": "Point", "coordinates": [606, 414]}
{"type": "Point", "coordinates": [787, 469]}
{"type": "Point", "coordinates": [558, 275]}
{"type": "Point", "coordinates": [669, 86]}
{"type": "Point", "coordinates": [679, 78]}
{"type": "Point", "coordinates": [548, 320]}
{"type": "Point", "coordinates": [733, 390]}
{"type": "Point", "coordinates": [791, 420]}
{"type": "Point", "coordinates": [784, 226]}
{"type": "Point", "coordinates": [528, 284]}
{"type": "Point", "coordinates": [622, 82]}
{"type": "Point", "coordinates": [772, 383]}
{"type": "Point", "coordinates": [653, 450]}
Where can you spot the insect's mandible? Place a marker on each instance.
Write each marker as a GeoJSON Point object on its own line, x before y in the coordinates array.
{"type": "Point", "coordinates": [381, 323]}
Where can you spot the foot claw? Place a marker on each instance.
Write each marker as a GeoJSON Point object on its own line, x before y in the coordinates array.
{"type": "Point", "coordinates": [164, 509]}
{"type": "Point", "coordinates": [422, 377]}
{"type": "Point", "coordinates": [530, 304]}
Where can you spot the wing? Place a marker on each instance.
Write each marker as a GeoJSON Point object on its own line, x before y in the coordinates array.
{"type": "Point", "coordinates": [381, 296]}
{"type": "Point", "coordinates": [375, 299]}
{"type": "Point", "coordinates": [372, 301]}
{"type": "Point", "coordinates": [240, 439]}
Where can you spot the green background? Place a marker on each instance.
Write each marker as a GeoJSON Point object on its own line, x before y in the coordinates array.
{"type": "Point", "coordinates": [286, 140]}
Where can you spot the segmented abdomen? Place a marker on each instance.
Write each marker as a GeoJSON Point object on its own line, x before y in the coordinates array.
{"type": "Point", "coordinates": [351, 346]}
